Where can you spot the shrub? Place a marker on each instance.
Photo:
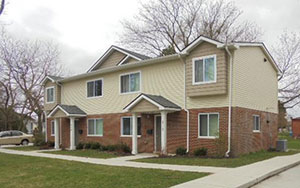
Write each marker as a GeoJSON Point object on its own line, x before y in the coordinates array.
{"type": "Point", "coordinates": [80, 145]}
{"type": "Point", "coordinates": [111, 147]}
{"type": "Point", "coordinates": [95, 145]}
{"type": "Point", "coordinates": [50, 144]}
{"type": "Point", "coordinates": [39, 139]}
{"type": "Point", "coordinates": [88, 145]}
{"type": "Point", "coordinates": [221, 145]}
{"type": "Point", "coordinates": [103, 148]}
{"type": "Point", "coordinates": [200, 152]}
{"type": "Point", "coordinates": [180, 151]}
{"type": "Point", "coordinates": [124, 148]}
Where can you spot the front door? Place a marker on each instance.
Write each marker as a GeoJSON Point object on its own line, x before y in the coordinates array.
{"type": "Point", "coordinates": [157, 133]}
{"type": "Point", "coordinates": [76, 132]}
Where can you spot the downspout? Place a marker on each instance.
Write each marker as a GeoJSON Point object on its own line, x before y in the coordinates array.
{"type": "Point", "coordinates": [230, 100]}
{"type": "Point", "coordinates": [185, 108]}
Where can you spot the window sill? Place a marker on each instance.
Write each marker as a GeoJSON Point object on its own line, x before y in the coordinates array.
{"type": "Point", "coordinates": [50, 102]}
{"type": "Point", "coordinates": [203, 83]}
{"type": "Point", "coordinates": [255, 131]}
{"type": "Point", "coordinates": [95, 135]}
{"type": "Point", "coordinates": [52, 134]}
{"type": "Point", "coordinates": [129, 136]}
{"type": "Point", "coordinates": [94, 97]}
{"type": "Point", "coordinates": [207, 137]}
{"type": "Point", "coordinates": [127, 93]}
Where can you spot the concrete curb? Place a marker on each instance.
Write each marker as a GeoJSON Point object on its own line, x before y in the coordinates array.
{"type": "Point", "coordinates": [268, 175]}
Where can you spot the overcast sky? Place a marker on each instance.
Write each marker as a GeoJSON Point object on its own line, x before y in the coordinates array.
{"type": "Point", "coordinates": [85, 29]}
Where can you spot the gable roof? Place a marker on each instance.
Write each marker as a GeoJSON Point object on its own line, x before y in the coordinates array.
{"type": "Point", "coordinates": [113, 48]}
{"type": "Point", "coordinates": [69, 110]}
{"type": "Point", "coordinates": [161, 102]}
{"type": "Point", "coordinates": [233, 44]}
{"type": "Point", "coordinates": [51, 78]}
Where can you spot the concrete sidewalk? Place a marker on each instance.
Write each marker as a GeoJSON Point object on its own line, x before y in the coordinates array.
{"type": "Point", "coordinates": [119, 161]}
{"type": "Point", "coordinates": [245, 176]}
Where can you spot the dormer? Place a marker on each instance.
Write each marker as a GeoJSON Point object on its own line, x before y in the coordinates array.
{"type": "Point", "coordinates": [116, 56]}
{"type": "Point", "coordinates": [52, 92]}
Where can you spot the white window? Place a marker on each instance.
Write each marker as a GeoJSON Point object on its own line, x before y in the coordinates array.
{"type": "Point", "coordinates": [256, 123]}
{"type": "Point", "coordinates": [130, 82]}
{"type": "Point", "coordinates": [204, 69]}
{"type": "Point", "coordinates": [95, 127]}
{"type": "Point", "coordinates": [50, 94]}
{"type": "Point", "coordinates": [94, 88]}
{"type": "Point", "coordinates": [208, 125]}
{"type": "Point", "coordinates": [126, 126]}
{"type": "Point", "coordinates": [52, 128]}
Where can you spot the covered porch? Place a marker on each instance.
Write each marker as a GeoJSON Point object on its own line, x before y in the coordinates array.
{"type": "Point", "coordinates": [70, 112]}
{"type": "Point", "coordinates": [159, 107]}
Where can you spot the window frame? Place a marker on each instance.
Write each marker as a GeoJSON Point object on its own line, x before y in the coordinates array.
{"type": "Point", "coordinates": [120, 82]}
{"type": "Point", "coordinates": [52, 128]}
{"type": "Point", "coordinates": [47, 88]}
{"type": "Point", "coordinates": [210, 113]}
{"type": "Point", "coordinates": [122, 135]}
{"type": "Point", "coordinates": [87, 127]}
{"type": "Point", "coordinates": [254, 121]}
{"type": "Point", "coordinates": [215, 68]}
{"type": "Point", "coordinates": [94, 80]}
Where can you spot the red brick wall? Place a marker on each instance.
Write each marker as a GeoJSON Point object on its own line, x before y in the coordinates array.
{"type": "Point", "coordinates": [243, 139]}
{"type": "Point", "coordinates": [296, 127]}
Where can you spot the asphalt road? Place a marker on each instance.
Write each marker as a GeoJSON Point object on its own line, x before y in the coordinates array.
{"type": "Point", "coordinates": [286, 179]}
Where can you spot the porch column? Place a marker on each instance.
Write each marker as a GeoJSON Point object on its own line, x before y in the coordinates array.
{"type": "Point", "coordinates": [164, 132]}
{"type": "Point", "coordinates": [134, 134]}
{"type": "Point", "coordinates": [56, 133]}
{"type": "Point", "coordinates": [72, 133]}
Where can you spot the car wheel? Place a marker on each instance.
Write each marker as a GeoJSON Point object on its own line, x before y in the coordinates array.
{"type": "Point", "coordinates": [25, 142]}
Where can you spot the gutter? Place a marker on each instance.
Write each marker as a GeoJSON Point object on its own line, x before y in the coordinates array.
{"type": "Point", "coordinates": [230, 101]}
{"type": "Point", "coordinates": [185, 108]}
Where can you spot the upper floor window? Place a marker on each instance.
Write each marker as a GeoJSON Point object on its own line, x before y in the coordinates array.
{"type": "Point", "coordinates": [208, 125]}
{"type": "Point", "coordinates": [204, 69]}
{"type": "Point", "coordinates": [256, 123]}
{"type": "Point", "coordinates": [126, 126]}
{"type": "Point", "coordinates": [94, 88]}
{"type": "Point", "coordinates": [130, 82]}
{"type": "Point", "coordinates": [50, 94]}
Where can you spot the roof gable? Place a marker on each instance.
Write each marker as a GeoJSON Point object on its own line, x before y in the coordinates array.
{"type": "Point", "coordinates": [110, 57]}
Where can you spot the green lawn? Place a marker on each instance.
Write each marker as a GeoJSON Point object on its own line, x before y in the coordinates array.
{"type": "Point", "coordinates": [24, 148]}
{"type": "Point", "coordinates": [28, 172]}
{"type": "Point", "coordinates": [222, 162]}
{"type": "Point", "coordinates": [85, 153]}
{"type": "Point", "coordinates": [292, 143]}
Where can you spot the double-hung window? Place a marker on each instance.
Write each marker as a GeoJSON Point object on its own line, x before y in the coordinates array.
{"type": "Point", "coordinates": [204, 69]}
{"type": "Point", "coordinates": [94, 88]}
{"type": "Point", "coordinates": [256, 123]}
{"type": "Point", "coordinates": [52, 128]}
{"type": "Point", "coordinates": [95, 127]}
{"type": "Point", "coordinates": [208, 125]}
{"type": "Point", "coordinates": [50, 94]}
{"type": "Point", "coordinates": [126, 126]}
{"type": "Point", "coordinates": [130, 82]}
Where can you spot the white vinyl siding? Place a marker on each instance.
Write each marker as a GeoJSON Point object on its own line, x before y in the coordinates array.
{"type": "Point", "coordinates": [256, 123]}
{"type": "Point", "coordinates": [130, 83]}
{"type": "Point", "coordinates": [95, 127]}
{"type": "Point", "coordinates": [204, 70]}
{"type": "Point", "coordinates": [208, 124]}
{"type": "Point", "coordinates": [126, 126]}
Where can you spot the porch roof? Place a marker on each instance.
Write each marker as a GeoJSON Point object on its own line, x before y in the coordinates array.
{"type": "Point", "coordinates": [159, 101]}
{"type": "Point", "coordinates": [68, 110]}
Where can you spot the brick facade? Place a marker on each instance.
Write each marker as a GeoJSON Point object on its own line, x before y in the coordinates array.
{"type": "Point", "coordinates": [243, 140]}
{"type": "Point", "coordinates": [296, 127]}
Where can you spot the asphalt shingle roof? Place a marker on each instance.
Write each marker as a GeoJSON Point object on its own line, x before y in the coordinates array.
{"type": "Point", "coordinates": [56, 78]}
{"type": "Point", "coordinates": [162, 101]}
{"type": "Point", "coordinates": [141, 56]}
{"type": "Point", "coordinates": [72, 109]}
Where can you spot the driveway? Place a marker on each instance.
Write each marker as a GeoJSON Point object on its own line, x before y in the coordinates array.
{"type": "Point", "coordinates": [289, 178]}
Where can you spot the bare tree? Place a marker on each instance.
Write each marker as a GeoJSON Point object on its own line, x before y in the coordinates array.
{"type": "Point", "coordinates": [28, 63]}
{"type": "Point", "coordinates": [287, 55]}
{"type": "Point", "coordinates": [2, 5]}
{"type": "Point", "coordinates": [173, 24]}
